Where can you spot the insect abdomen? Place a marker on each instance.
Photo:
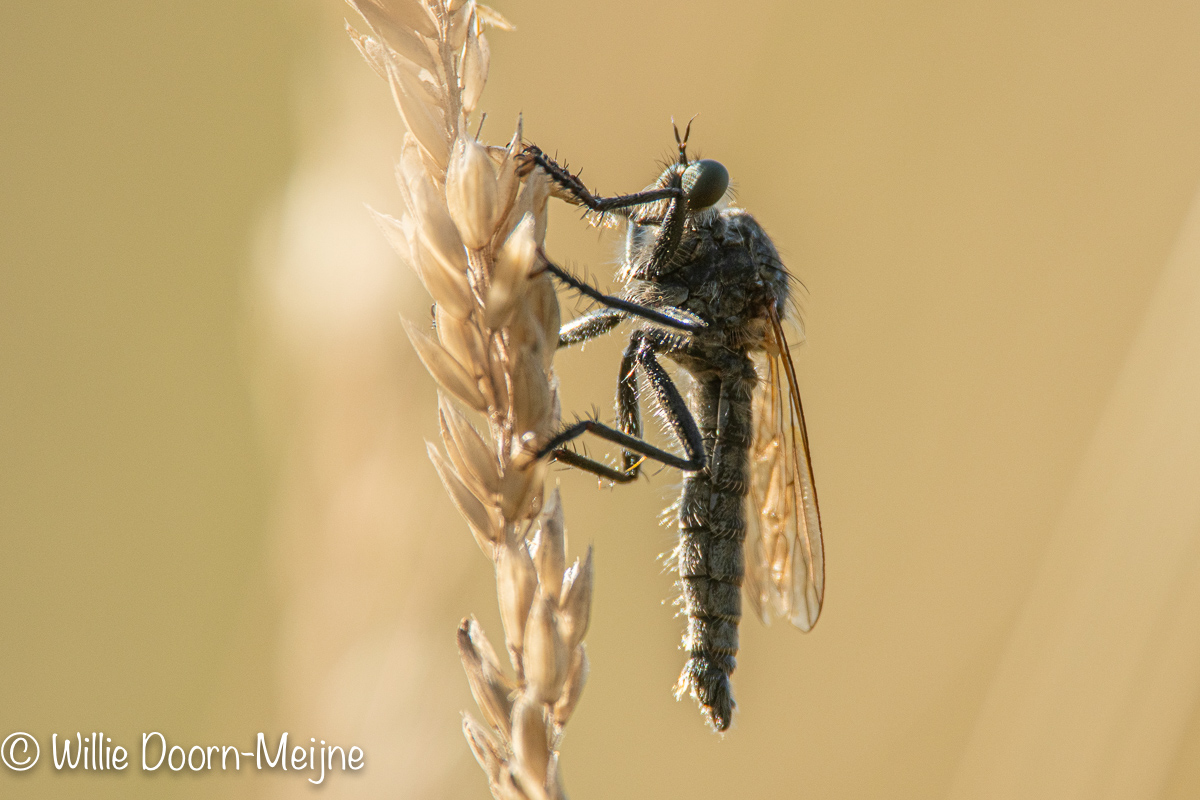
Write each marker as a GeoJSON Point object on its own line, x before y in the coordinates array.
{"type": "Point", "coordinates": [712, 529]}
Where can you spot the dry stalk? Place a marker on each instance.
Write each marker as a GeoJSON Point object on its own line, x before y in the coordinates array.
{"type": "Point", "coordinates": [471, 229]}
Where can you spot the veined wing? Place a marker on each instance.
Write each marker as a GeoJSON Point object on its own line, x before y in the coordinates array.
{"type": "Point", "coordinates": [785, 562]}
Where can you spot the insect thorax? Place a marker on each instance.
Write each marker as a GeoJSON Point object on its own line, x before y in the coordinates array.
{"type": "Point", "coordinates": [726, 271]}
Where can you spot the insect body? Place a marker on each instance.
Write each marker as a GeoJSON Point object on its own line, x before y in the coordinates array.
{"type": "Point", "coordinates": [708, 291]}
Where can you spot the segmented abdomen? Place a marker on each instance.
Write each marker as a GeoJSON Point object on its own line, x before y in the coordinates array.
{"type": "Point", "coordinates": [712, 528]}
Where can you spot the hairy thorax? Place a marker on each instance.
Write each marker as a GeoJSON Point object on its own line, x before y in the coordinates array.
{"type": "Point", "coordinates": [726, 272]}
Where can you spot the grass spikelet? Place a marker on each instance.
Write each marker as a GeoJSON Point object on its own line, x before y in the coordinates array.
{"type": "Point", "coordinates": [472, 229]}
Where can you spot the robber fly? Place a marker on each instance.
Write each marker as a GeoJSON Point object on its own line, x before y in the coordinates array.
{"type": "Point", "coordinates": [708, 291]}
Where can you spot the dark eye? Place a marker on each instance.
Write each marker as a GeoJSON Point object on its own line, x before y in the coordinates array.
{"type": "Point", "coordinates": [704, 182]}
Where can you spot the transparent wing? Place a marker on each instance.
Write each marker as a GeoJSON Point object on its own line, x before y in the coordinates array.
{"type": "Point", "coordinates": [785, 563]}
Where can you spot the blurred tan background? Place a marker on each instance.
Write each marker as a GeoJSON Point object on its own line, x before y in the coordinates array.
{"type": "Point", "coordinates": [215, 508]}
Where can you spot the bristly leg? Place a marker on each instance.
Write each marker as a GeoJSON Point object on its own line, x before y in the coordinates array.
{"type": "Point", "coordinates": [589, 326]}
{"type": "Point", "coordinates": [639, 353]}
{"type": "Point", "coordinates": [580, 193]}
{"type": "Point", "coordinates": [654, 315]}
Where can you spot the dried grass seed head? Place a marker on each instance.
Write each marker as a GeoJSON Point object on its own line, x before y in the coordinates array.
{"type": "Point", "coordinates": [472, 230]}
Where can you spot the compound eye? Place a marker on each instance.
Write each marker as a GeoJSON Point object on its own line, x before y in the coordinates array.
{"type": "Point", "coordinates": [704, 182]}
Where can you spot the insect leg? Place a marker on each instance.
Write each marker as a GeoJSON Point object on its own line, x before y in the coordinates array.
{"type": "Point", "coordinates": [694, 460]}
{"type": "Point", "coordinates": [589, 326]}
{"type": "Point", "coordinates": [629, 410]}
{"type": "Point", "coordinates": [580, 192]}
{"type": "Point", "coordinates": [630, 421]}
{"type": "Point", "coordinates": [675, 410]}
{"type": "Point", "coordinates": [616, 303]}
{"type": "Point", "coordinates": [640, 353]}
{"type": "Point", "coordinates": [666, 241]}
{"type": "Point", "coordinates": [573, 459]}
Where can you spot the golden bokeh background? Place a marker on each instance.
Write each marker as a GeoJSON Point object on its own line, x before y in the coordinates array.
{"type": "Point", "coordinates": [216, 512]}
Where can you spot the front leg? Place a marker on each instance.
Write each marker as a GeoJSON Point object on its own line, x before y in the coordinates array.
{"type": "Point", "coordinates": [580, 193]}
{"type": "Point", "coordinates": [670, 224]}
